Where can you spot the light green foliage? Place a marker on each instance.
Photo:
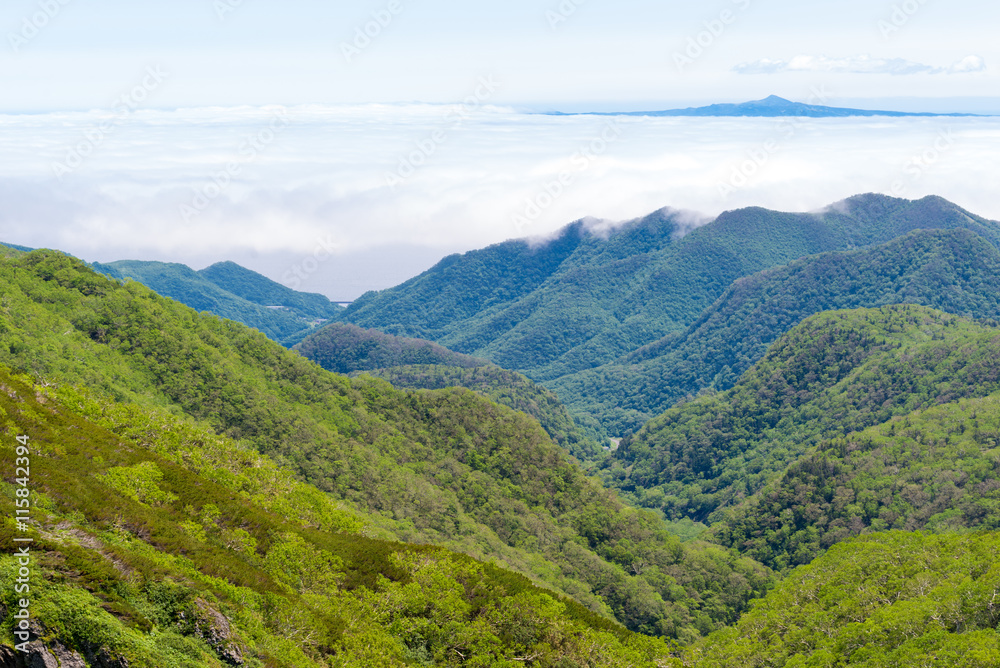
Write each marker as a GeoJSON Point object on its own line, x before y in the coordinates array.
{"type": "Point", "coordinates": [892, 600]}
{"type": "Point", "coordinates": [118, 576]}
{"type": "Point", "coordinates": [443, 467]}
{"type": "Point", "coordinates": [139, 482]}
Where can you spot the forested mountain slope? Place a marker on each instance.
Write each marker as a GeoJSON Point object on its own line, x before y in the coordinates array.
{"type": "Point", "coordinates": [893, 600]}
{"type": "Point", "coordinates": [156, 544]}
{"type": "Point", "coordinates": [585, 298]}
{"type": "Point", "coordinates": [935, 469]}
{"type": "Point", "coordinates": [443, 467]}
{"type": "Point", "coordinates": [507, 388]}
{"type": "Point", "coordinates": [232, 292]}
{"type": "Point", "coordinates": [836, 373]}
{"type": "Point", "coordinates": [951, 270]}
{"type": "Point", "coordinates": [345, 348]}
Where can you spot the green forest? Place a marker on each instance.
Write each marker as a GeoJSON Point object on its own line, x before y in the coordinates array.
{"type": "Point", "coordinates": [807, 474]}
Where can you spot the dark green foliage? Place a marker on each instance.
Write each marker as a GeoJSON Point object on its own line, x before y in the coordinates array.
{"type": "Point", "coordinates": [954, 271]}
{"type": "Point", "coordinates": [232, 292]}
{"type": "Point", "coordinates": [584, 299]}
{"type": "Point", "coordinates": [934, 469]}
{"type": "Point", "coordinates": [836, 373]}
{"type": "Point", "coordinates": [347, 348]}
{"type": "Point", "coordinates": [892, 600]}
{"type": "Point", "coordinates": [446, 467]}
{"type": "Point", "coordinates": [507, 388]}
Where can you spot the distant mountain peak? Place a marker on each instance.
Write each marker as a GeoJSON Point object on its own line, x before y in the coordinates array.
{"type": "Point", "coordinates": [772, 105]}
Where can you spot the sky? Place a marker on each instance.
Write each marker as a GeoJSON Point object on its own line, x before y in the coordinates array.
{"type": "Point", "coordinates": [371, 138]}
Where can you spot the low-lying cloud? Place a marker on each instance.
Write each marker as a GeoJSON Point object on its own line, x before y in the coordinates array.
{"type": "Point", "coordinates": [321, 181]}
{"type": "Point", "coordinates": [862, 64]}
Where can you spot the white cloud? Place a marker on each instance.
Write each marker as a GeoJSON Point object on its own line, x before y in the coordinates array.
{"type": "Point", "coordinates": [324, 177]}
{"type": "Point", "coordinates": [968, 64]}
{"type": "Point", "coordinates": [861, 64]}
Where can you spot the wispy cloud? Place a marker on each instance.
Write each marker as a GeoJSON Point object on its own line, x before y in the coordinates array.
{"type": "Point", "coordinates": [861, 64]}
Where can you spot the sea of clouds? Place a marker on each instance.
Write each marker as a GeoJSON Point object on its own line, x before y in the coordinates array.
{"type": "Point", "coordinates": [275, 186]}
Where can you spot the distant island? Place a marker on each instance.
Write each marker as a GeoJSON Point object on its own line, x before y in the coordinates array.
{"type": "Point", "coordinates": [772, 106]}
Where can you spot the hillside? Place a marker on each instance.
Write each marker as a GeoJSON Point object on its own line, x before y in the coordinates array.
{"type": "Point", "coordinates": [590, 295]}
{"type": "Point", "coordinates": [836, 373]}
{"type": "Point", "coordinates": [950, 270]}
{"type": "Point", "coordinates": [507, 388]}
{"type": "Point", "coordinates": [346, 348]}
{"type": "Point", "coordinates": [936, 469]}
{"type": "Point", "coordinates": [448, 467]}
{"type": "Point", "coordinates": [232, 292]}
{"type": "Point", "coordinates": [895, 600]}
{"type": "Point", "coordinates": [157, 544]}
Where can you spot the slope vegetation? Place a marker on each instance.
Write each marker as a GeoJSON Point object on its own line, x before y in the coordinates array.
{"type": "Point", "coordinates": [158, 544]}
{"type": "Point", "coordinates": [952, 270]}
{"type": "Point", "coordinates": [589, 296]}
{"type": "Point", "coordinates": [507, 388]}
{"type": "Point", "coordinates": [836, 373]}
{"type": "Point", "coordinates": [895, 600]}
{"type": "Point", "coordinates": [936, 469]}
{"type": "Point", "coordinates": [232, 292]}
{"type": "Point", "coordinates": [344, 348]}
{"type": "Point", "coordinates": [444, 467]}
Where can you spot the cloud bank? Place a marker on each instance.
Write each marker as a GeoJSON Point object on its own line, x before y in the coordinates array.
{"type": "Point", "coordinates": [254, 188]}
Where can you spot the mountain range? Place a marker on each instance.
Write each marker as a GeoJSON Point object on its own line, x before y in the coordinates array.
{"type": "Point", "coordinates": [588, 312]}
{"type": "Point", "coordinates": [771, 106]}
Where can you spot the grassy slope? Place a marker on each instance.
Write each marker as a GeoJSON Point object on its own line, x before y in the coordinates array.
{"type": "Point", "coordinates": [836, 373]}
{"type": "Point", "coordinates": [953, 270]}
{"type": "Point", "coordinates": [158, 544]}
{"type": "Point", "coordinates": [445, 467]}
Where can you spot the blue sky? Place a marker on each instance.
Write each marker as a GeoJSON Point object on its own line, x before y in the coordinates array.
{"type": "Point", "coordinates": [74, 54]}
